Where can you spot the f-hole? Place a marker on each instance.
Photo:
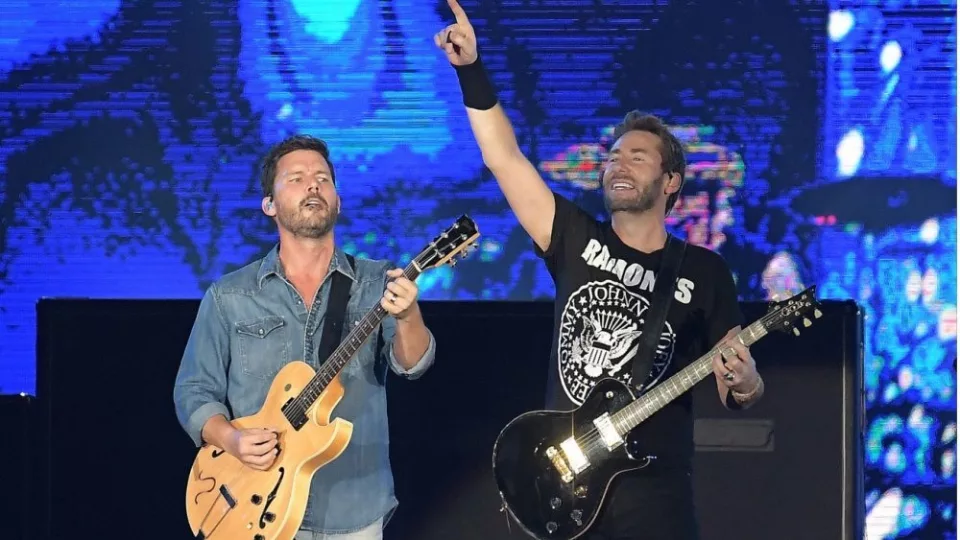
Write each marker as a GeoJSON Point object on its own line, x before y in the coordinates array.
{"type": "Point", "coordinates": [270, 497]}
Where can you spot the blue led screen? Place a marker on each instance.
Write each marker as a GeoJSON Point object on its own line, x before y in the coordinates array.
{"type": "Point", "coordinates": [130, 134]}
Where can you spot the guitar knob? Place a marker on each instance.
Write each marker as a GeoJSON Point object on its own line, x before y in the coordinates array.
{"type": "Point", "coordinates": [259, 537]}
{"type": "Point", "coordinates": [555, 503]}
{"type": "Point", "coordinates": [269, 517]}
{"type": "Point", "coordinates": [256, 499]}
{"type": "Point", "coordinates": [577, 517]}
{"type": "Point", "coordinates": [580, 491]}
{"type": "Point", "coordinates": [551, 527]}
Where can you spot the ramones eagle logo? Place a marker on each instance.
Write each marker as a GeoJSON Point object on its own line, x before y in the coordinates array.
{"type": "Point", "coordinates": [600, 330]}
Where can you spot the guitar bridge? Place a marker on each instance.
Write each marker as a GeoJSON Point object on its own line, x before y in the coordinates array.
{"type": "Point", "coordinates": [569, 460]}
{"type": "Point", "coordinates": [559, 464]}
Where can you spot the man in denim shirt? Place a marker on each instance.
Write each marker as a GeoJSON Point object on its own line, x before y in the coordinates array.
{"type": "Point", "coordinates": [255, 320]}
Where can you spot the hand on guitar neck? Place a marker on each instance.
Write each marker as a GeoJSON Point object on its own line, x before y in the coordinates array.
{"type": "Point", "coordinates": [736, 372]}
{"type": "Point", "coordinates": [256, 448]}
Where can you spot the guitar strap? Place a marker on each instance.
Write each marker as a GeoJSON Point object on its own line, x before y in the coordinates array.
{"type": "Point", "coordinates": [662, 299]}
{"type": "Point", "coordinates": [336, 312]}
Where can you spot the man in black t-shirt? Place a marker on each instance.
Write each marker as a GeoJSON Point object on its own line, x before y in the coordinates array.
{"type": "Point", "coordinates": [604, 274]}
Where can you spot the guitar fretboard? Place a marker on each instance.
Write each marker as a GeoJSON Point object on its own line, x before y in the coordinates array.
{"type": "Point", "coordinates": [347, 349]}
{"type": "Point", "coordinates": [642, 408]}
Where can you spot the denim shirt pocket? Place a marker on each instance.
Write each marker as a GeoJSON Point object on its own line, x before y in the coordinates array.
{"type": "Point", "coordinates": [263, 346]}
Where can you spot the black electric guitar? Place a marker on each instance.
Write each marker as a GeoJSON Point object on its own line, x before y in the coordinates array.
{"type": "Point", "coordinates": [553, 468]}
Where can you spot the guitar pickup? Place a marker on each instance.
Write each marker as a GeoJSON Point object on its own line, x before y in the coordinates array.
{"type": "Point", "coordinates": [608, 432]}
{"type": "Point", "coordinates": [575, 457]}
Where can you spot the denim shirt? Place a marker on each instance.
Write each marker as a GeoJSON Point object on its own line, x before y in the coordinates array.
{"type": "Point", "coordinates": [250, 324]}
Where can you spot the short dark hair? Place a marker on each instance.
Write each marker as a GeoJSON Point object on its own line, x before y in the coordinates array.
{"type": "Point", "coordinates": [268, 170]}
{"type": "Point", "coordinates": [672, 157]}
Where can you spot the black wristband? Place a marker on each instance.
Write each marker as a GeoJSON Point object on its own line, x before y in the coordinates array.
{"type": "Point", "coordinates": [478, 92]}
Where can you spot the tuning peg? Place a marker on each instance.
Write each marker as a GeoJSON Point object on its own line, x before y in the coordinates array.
{"type": "Point", "coordinates": [796, 332]}
{"type": "Point", "coordinates": [807, 322]}
{"type": "Point", "coordinates": [817, 314]}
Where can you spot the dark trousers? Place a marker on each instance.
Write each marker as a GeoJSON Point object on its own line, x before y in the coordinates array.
{"type": "Point", "coordinates": [648, 507]}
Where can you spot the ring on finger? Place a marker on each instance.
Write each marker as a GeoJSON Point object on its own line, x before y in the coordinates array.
{"type": "Point", "coordinates": [728, 376]}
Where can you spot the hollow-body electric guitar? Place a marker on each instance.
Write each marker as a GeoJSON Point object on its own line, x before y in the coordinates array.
{"type": "Point", "coordinates": [230, 501]}
{"type": "Point", "coordinates": [553, 468]}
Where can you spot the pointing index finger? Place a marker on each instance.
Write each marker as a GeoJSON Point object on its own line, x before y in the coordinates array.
{"type": "Point", "coordinates": [458, 12]}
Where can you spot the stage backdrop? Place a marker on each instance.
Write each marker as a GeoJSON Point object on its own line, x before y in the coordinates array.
{"type": "Point", "coordinates": [821, 141]}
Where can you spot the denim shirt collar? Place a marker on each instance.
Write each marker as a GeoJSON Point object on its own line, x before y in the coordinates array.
{"type": "Point", "coordinates": [270, 265]}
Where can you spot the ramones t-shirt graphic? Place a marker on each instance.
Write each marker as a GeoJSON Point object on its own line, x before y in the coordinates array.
{"type": "Point", "coordinates": [599, 335]}
{"type": "Point", "coordinates": [604, 290]}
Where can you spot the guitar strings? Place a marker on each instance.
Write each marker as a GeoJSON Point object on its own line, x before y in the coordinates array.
{"type": "Point", "coordinates": [588, 441]}
{"type": "Point", "coordinates": [327, 371]}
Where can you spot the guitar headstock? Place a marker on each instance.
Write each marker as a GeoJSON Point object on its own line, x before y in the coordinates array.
{"type": "Point", "coordinates": [784, 315]}
{"type": "Point", "coordinates": [458, 239]}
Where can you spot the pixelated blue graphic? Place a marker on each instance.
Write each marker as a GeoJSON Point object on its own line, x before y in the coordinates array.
{"type": "Point", "coordinates": [130, 134]}
{"type": "Point", "coordinates": [363, 74]}
{"type": "Point", "coordinates": [892, 84]}
{"type": "Point", "coordinates": [30, 27]}
{"type": "Point", "coordinates": [891, 114]}
{"type": "Point", "coordinates": [905, 280]}
{"type": "Point", "coordinates": [129, 150]}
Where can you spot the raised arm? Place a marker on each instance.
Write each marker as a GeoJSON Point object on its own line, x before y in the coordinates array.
{"type": "Point", "coordinates": [526, 192]}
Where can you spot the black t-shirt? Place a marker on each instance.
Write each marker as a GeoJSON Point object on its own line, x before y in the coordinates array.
{"type": "Point", "coordinates": [603, 289]}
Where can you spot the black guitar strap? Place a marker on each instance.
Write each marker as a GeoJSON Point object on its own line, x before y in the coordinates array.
{"type": "Point", "coordinates": [662, 299]}
{"type": "Point", "coordinates": [336, 312]}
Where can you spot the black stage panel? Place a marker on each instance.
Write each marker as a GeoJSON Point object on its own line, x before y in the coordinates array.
{"type": "Point", "coordinates": [118, 460]}
{"type": "Point", "coordinates": [18, 465]}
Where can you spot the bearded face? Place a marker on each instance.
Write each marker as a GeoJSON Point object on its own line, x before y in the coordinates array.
{"type": "Point", "coordinates": [305, 200]}
{"type": "Point", "coordinates": [633, 180]}
{"type": "Point", "coordinates": [624, 193]}
{"type": "Point", "coordinates": [310, 217]}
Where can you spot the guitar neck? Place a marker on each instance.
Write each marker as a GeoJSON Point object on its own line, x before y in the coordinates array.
{"type": "Point", "coordinates": [642, 408]}
{"type": "Point", "coordinates": [348, 348]}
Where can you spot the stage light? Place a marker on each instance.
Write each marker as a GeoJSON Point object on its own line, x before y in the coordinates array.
{"type": "Point", "coordinates": [839, 24]}
{"type": "Point", "coordinates": [890, 56]}
{"type": "Point", "coordinates": [930, 230]}
{"type": "Point", "coordinates": [849, 153]}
